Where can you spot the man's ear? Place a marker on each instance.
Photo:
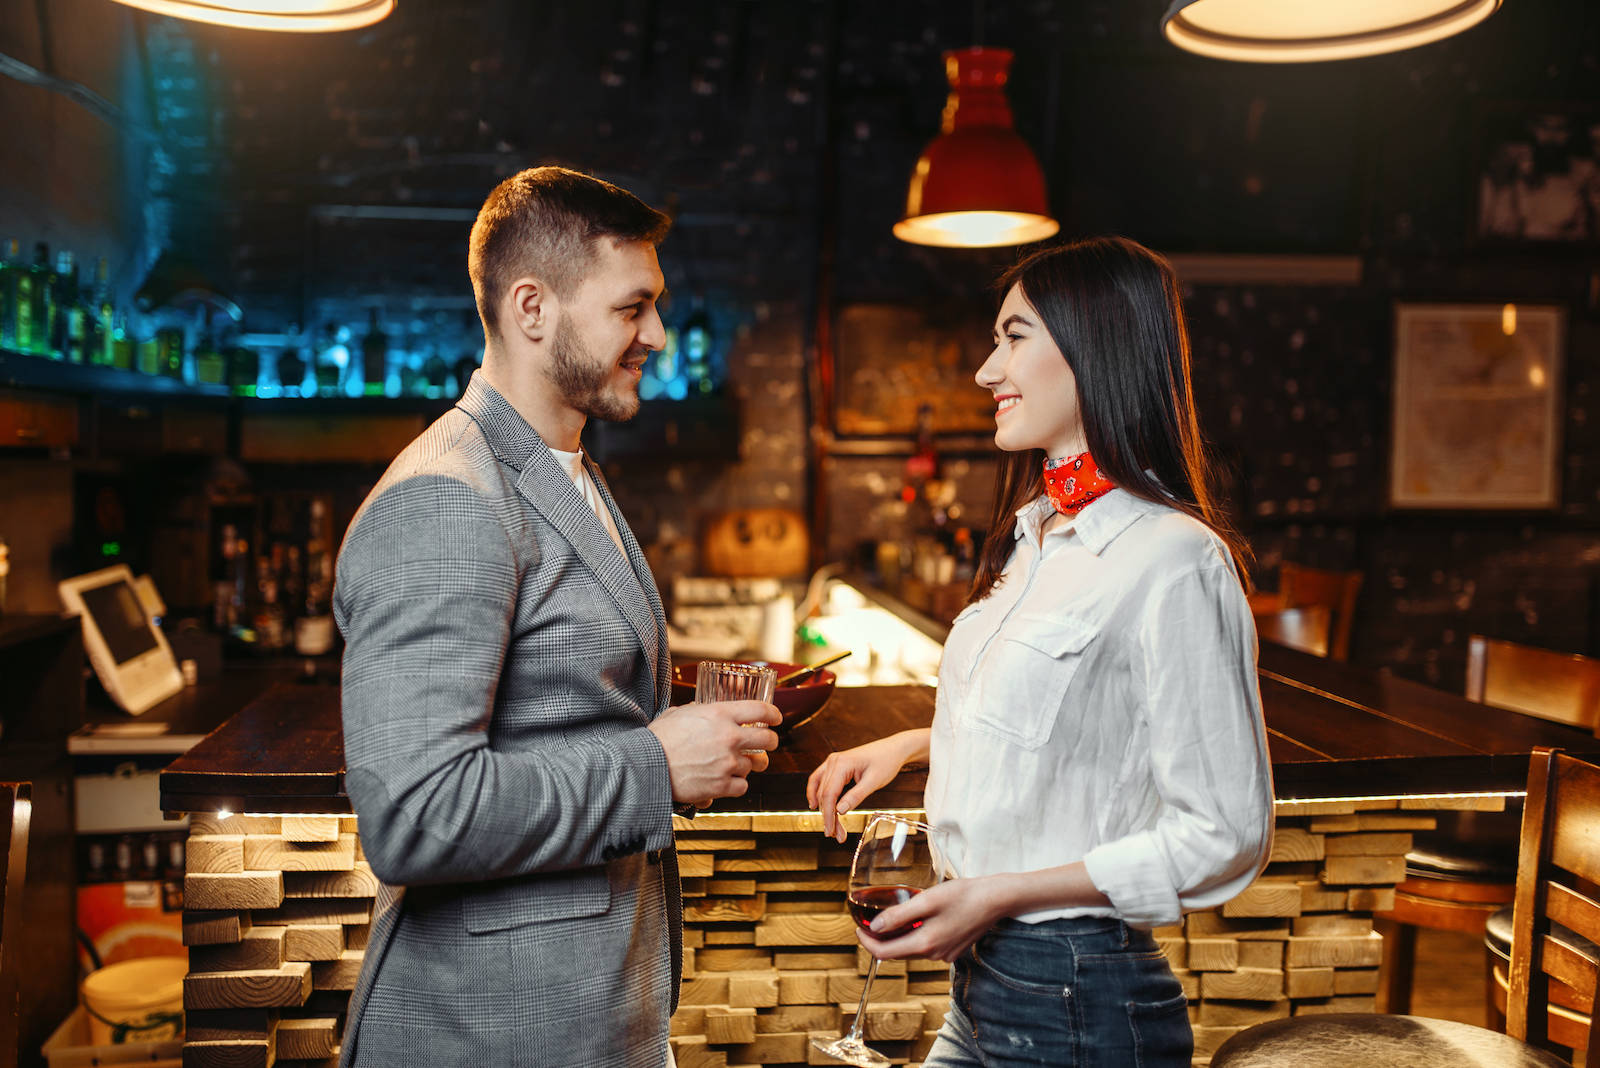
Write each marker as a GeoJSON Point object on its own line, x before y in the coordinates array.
{"type": "Point", "coordinates": [529, 308]}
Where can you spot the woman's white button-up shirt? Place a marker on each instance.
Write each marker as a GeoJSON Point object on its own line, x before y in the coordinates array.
{"type": "Point", "coordinates": [1101, 705]}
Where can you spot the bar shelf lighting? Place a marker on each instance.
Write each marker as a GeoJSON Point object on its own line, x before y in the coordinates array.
{"type": "Point", "coordinates": [293, 16]}
{"type": "Point", "coordinates": [1310, 31]}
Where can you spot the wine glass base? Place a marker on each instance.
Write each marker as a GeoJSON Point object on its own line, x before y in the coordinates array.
{"type": "Point", "coordinates": [851, 1051]}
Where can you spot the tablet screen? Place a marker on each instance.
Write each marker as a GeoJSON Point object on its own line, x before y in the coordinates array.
{"type": "Point", "coordinates": [121, 619]}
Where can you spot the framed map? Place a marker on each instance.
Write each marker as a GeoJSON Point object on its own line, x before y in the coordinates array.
{"type": "Point", "coordinates": [1477, 406]}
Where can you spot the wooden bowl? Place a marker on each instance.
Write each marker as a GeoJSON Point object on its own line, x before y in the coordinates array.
{"type": "Point", "coordinates": [798, 703]}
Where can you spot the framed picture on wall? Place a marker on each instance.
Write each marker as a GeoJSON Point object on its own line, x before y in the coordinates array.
{"type": "Point", "coordinates": [1477, 406]}
{"type": "Point", "coordinates": [1536, 174]}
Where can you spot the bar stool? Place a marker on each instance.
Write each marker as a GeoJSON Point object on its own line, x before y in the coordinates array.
{"type": "Point", "coordinates": [1563, 804]}
{"type": "Point", "coordinates": [1568, 1021]}
{"type": "Point", "coordinates": [1455, 885]}
{"type": "Point", "coordinates": [16, 816]}
{"type": "Point", "coordinates": [1312, 611]}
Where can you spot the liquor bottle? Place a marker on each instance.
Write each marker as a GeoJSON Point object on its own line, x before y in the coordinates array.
{"type": "Point", "coordinates": [210, 367]}
{"type": "Point", "coordinates": [103, 323]}
{"type": "Point", "coordinates": [697, 353]}
{"type": "Point", "coordinates": [374, 357]}
{"type": "Point", "coordinates": [12, 270]}
{"type": "Point", "coordinates": [169, 352]}
{"type": "Point", "coordinates": [123, 348]}
{"type": "Point", "coordinates": [269, 613]}
{"type": "Point", "coordinates": [291, 372]}
{"type": "Point", "coordinates": [43, 281]}
{"type": "Point", "coordinates": [68, 331]}
{"type": "Point", "coordinates": [331, 359]}
{"type": "Point", "coordinates": [435, 371]}
{"type": "Point", "coordinates": [244, 369]}
{"type": "Point", "coordinates": [463, 372]}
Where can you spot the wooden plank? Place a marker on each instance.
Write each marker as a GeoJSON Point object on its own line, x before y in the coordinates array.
{"type": "Point", "coordinates": [213, 854]}
{"type": "Point", "coordinates": [693, 887]}
{"type": "Point", "coordinates": [782, 903]}
{"type": "Point", "coordinates": [1190, 981]}
{"type": "Point", "coordinates": [1294, 843]}
{"type": "Point", "coordinates": [1246, 984]}
{"type": "Point", "coordinates": [1316, 896]}
{"type": "Point", "coordinates": [1309, 982]}
{"type": "Point", "coordinates": [1347, 870]}
{"type": "Point", "coordinates": [753, 989]}
{"type": "Point", "coordinates": [1213, 954]}
{"type": "Point", "coordinates": [224, 1025]}
{"type": "Point", "coordinates": [285, 986]}
{"type": "Point", "coordinates": [693, 938]}
{"type": "Point", "coordinates": [688, 1020]}
{"type": "Point", "coordinates": [1176, 950]}
{"type": "Point", "coordinates": [1341, 925]}
{"type": "Point", "coordinates": [1372, 899]}
{"type": "Point", "coordinates": [745, 936]}
{"type": "Point", "coordinates": [844, 987]}
{"type": "Point", "coordinates": [727, 1024]}
{"type": "Point", "coordinates": [891, 1021]}
{"type": "Point", "coordinates": [1221, 1013]}
{"type": "Point", "coordinates": [319, 941]}
{"type": "Point", "coordinates": [805, 822]}
{"type": "Point", "coordinates": [230, 1053]}
{"type": "Point", "coordinates": [356, 934]}
{"type": "Point", "coordinates": [1455, 804]}
{"type": "Point", "coordinates": [1355, 980]}
{"type": "Point", "coordinates": [827, 882]}
{"type": "Point", "coordinates": [268, 851]}
{"type": "Point", "coordinates": [731, 959]}
{"type": "Point", "coordinates": [1265, 899]}
{"type": "Point", "coordinates": [712, 821]}
{"type": "Point", "coordinates": [1311, 808]}
{"type": "Point", "coordinates": [1347, 1003]}
{"type": "Point", "coordinates": [1388, 843]}
{"type": "Point", "coordinates": [691, 1051]}
{"type": "Point", "coordinates": [338, 974]}
{"type": "Point", "coordinates": [816, 1056]}
{"type": "Point", "coordinates": [260, 949]}
{"type": "Point", "coordinates": [1207, 1039]}
{"type": "Point", "coordinates": [708, 989]}
{"type": "Point", "coordinates": [689, 971]}
{"type": "Point", "coordinates": [808, 987]}
{"type": "Point", "coordinates": [696, 865]}
{"type": "Point", "coordinates": [925, 983]}
{"type": "Point", "coordinates": [1261, 954]}
{"type": "Point", "coordinates": [788, 1017]}
{"type": "Point", "coordinates": [213, 928]}
{"type": "Point", "coordinates": [772, 858]}
{"type": "Point", "coordinates": [233, 890]}
{"type": "Point", "coordinates": [885, 967]}
{"type": "Point", "coordinates": [310, 829]}
{"type": "Point", "coordinates": [1213, 925]}
{"type": "Point", "coordinates": [210, 823]}
{"type": "Point", "coordinates": [806, 929]}
{"type": "Point", "coordinates": [1343, 824]}
{"type": "Point", "coordinates": [790, 1048]}
{"type": "Point", "coordinates": [694, 843]}
{"type": "Point", "coordinates": [726, 909]}
{"type": "Point", "coordinates": [934, 1009]}
{"type": "Point", "coordinates": [1362, 952]}
{"type": "Point", "coordinates": [308, 1038]}
{"type": "Point", "coordinates": [357, 882]}
{"type": "Point", "coordinates": [353, 910]}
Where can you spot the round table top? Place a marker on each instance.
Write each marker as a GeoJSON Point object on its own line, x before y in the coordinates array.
{"type": "Point", "coordinates": [1363, 1040]}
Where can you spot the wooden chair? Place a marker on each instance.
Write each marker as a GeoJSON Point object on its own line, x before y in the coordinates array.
{"type": "Point", "coordinates": [1458, 886]}
{"type": "Point", "coordinates": [1305, 628]}
{"type": "Point", "coordinates": [1560, 822]}
{"type": "Point", "coordinates": [1299, 587]}
{"type": "Point", "coordinates": [1536, 682]}
{"type": "Point", "coordinates": [17, 799]}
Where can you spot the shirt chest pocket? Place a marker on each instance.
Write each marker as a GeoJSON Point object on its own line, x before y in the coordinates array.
{"type": "Point", "coordinates": [1027, 675]}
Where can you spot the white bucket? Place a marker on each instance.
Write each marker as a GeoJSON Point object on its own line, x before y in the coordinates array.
{"type": "Point", "coordinates": [136, 1001]}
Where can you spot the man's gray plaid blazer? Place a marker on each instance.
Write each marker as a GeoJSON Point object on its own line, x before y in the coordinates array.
{"type": "Point", "coordinates": [502, 661]}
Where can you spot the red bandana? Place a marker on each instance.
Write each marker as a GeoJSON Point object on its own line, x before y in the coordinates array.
{"type": "Point", "coordinates": [1074, 482]}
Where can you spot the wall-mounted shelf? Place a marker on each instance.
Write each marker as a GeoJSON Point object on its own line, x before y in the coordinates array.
{"type": "Point", "coordinates": [22, 371]}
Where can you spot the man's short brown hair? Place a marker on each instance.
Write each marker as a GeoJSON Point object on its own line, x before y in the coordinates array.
{"type": "Point", "coordinates": [545, 222]}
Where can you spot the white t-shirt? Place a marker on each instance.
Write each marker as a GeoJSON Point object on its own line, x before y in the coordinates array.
{"type": "Point", "coordinates": [572, 463]}
{"type": "Point", "coordinates": [1101, 705]}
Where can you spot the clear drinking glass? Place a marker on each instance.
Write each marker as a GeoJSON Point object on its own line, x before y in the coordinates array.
{"type": "Point", "coordinates": [895, 860]}
{"type": "Point", "coordinates": [718, 681]}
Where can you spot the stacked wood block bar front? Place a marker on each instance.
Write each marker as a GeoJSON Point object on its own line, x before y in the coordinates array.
{"type": "Point", "coordinates": [276, 912]}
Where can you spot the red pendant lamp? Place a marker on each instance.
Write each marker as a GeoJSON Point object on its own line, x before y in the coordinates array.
{"type": "Point", "coordinates": [291, 16]}
{"type": "Point", "coordinates": [978, 184]}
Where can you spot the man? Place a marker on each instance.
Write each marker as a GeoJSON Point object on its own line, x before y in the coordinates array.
{"type": "Point", "coordinates": [508, 747]}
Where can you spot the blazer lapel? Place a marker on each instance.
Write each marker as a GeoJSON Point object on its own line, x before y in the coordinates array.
{"type": "Point", "coordinates": [655, 647]}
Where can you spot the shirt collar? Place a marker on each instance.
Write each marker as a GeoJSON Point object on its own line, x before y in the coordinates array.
{"type": "Point", "coordinates": [1097, 526]}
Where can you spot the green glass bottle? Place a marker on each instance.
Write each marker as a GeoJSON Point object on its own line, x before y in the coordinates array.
{"type": "Point", "coordinates": [374, 357]}
{"type": "Point", "coordinates": [43, 281]}
{"type": "Point", "coordinates": [102, 319]}
{"type": "Point", "coordinates": [9, 270]}
{"type": "Point", "coordinates": [69, 328]}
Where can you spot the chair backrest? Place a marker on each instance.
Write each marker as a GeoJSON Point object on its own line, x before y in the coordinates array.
{"type": "Point", "coordinates": [16, 814]}
{"type": "Point", "coordinates": [1560, 829]}
{"type": "Point", "coordinates": [1537, 682]}
{"type": "Point", "coordinates": [1305, 628]}
{"type": "Point", "coordinates": [1337, 590]}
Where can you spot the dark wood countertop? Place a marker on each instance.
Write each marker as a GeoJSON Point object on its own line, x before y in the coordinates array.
{"type": "Point", "coordinates": [1334, 730]}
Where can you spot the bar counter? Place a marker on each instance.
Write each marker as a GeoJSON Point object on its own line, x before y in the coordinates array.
{"type": "Point", "coordinates": [1360, 760]}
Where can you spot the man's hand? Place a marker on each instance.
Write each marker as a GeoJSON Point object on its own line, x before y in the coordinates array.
{"type": "Point", "coordinates": [705, 747]}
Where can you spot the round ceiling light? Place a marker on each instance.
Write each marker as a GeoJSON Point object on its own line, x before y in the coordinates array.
{"type": "Point", "coordinates": [977, 184]}
{"type": "Point", "coordinates": [293, 16]}
{"type": "Point", "coordinates": [1309, 31]}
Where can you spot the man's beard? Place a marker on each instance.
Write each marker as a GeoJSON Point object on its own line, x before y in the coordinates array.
{"type": "Point", "coordinates": [582, 378]}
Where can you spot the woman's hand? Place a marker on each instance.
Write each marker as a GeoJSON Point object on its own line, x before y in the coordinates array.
{"type": "Point", "coordinates": [954, 915]}
{"type": "Point", "coordinates": [869, 766]}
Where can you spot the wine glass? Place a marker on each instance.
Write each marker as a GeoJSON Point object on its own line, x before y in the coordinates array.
{"type": "Point", "coordinates": [895, 860]}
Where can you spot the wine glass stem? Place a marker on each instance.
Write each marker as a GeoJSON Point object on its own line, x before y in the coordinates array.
{"type": "Point", "coordinates": [861, 1010]}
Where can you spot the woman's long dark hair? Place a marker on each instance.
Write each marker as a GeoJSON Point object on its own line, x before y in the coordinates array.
{"type": "Point", "coordinates": [1114, 310]}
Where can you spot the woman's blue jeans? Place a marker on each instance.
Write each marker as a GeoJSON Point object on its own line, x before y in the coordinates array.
{"type": "Point", "coordinates": [1085, 993]}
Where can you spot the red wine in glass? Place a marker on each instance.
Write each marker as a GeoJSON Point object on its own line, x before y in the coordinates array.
{"type": "Point", "coordinates": [868, 901]}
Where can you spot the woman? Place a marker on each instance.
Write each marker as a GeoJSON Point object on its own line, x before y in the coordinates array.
{"type": "Point", "coordinates": [1097, 755]}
